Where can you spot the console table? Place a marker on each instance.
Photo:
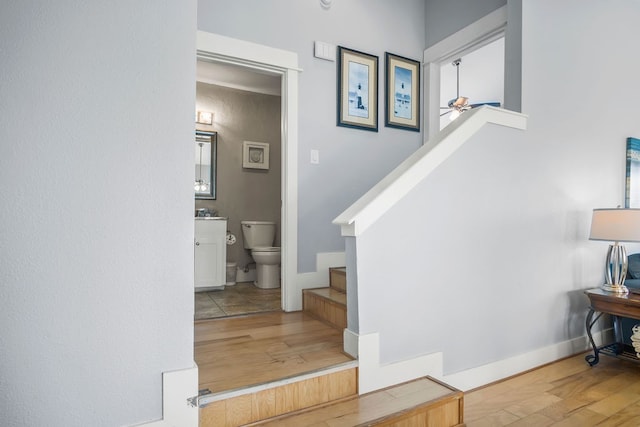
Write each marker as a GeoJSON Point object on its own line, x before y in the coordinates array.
{"type": "Point", "coordinates": [617, 305]}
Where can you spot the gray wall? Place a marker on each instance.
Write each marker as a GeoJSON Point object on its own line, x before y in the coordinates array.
{"type": "Point", "coordinates": [443, 18]}
{"type": "Point", "coordinates": [513, 57]}
{"type": "Point", "coordinates": [351, 161]}
{"type": "Point", "coordinates": [494, 244]}
{"type": "Point", "coordinates": [243, 194]}
{"type": "Point", "coordinates": [96, 234]}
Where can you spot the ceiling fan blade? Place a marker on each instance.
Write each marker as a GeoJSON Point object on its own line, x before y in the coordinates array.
{"type": "Point", "coordinates": [491, 104]}
{"type": "Point", "coordinates": [460, 102]}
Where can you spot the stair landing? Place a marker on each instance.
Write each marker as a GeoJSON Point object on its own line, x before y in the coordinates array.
{"type": "Point", "coordinates": [422, 402]}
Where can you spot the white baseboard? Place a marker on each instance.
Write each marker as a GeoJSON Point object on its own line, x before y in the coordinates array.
{"type": "Point", "coordinates": [350, 343]}
{"type": "Point", "coordinates": [320, 277]}
{"type": "Point", "coordinates": [374, 376]}
{"type": "Point", "coordinates": [486, 374]}
{"type": "Point", "coordinates": [316, 279]}
{"type": "Point", "coordinates": [177, 388]}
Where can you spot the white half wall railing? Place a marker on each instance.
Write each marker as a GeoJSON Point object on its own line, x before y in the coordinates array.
{"type": "Point", "coordinates": [373, 204]}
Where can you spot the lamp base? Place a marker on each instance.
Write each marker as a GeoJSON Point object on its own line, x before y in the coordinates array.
{"type": "Point", "coordinates": [616, 289]}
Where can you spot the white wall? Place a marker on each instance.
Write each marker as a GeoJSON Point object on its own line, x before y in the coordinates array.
{"type": "Point", "coordinates": [489, 257]}
{"type": "Point", "coordinates": [96, 204]}
{"type": "Point", "coordinates": [351, 161]}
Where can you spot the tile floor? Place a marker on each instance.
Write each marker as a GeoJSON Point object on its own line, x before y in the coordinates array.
{"type": "Point", "coordinates": [241, 298]}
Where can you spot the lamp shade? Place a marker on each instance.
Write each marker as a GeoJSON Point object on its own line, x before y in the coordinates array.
{"type": "Point", "coordinates": [615, 225]}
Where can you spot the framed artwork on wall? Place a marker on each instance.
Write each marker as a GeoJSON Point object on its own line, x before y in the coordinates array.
{"type": "Point", "coordinates": [255, 155]}
{"type": "Point", "coordinates": [357, 90]}
{"type": "Point", "coordinates": [402, 92]}
{"type": "Point", "coordinates": [632, 183]}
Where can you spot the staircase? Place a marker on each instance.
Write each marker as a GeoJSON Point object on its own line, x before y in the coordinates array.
{"type": "Point", "coordinates": [329, 304]}
{"type": "Point", "coordinates": [421, 402]}
{"type": "Point", "coordinates": [330, 396]}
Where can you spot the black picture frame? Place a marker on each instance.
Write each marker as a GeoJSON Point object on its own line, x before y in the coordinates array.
{"type": "Point", "coordinates": [357, 90]}
{"type": "Point", "coordinates": [402, 92]}
{"type": "Point", "coordinates": [632, 179]}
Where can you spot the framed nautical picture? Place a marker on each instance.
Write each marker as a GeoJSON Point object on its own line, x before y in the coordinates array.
{"type": "Point", "coordinates": [632, 187]}
{"type": "Point", "coordinates": [357, 90]}
{"type": "Point", "coordinates": [402, 92]}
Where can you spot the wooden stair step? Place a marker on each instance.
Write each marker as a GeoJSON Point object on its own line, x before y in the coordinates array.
{"type": "Point", "coordinates": [256, 403]}
{"type": "Point", "coordinates": [338, 278]}
{"type": "Point", "coordinates": [326, 304]}
{"type": "Point", "coordinates": [421, 402]}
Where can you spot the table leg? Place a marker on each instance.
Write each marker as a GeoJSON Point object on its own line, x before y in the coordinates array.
{"type": "Point", "coordinates": [592, 359]}
{"type": "Point", "coordinates": [617, 333]}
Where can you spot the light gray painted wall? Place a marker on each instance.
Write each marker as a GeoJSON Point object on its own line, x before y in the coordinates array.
{"type": "Point", "coordinates": [243, 194]}
{"type": "Point", "coordinates": [489, 256]}
{"type": "Point", "coordinates": [95, 208]}
{"type": "Point", "coordinates": [443, 18]}
{"type": "Point", "coordinates": [351, 161]}
{"type": "Point", "coordinates": [513, 57]}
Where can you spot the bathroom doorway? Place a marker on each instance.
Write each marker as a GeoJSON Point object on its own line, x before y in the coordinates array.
{"type": "Point", "coordinates": [245, 110]}
{"type": "Point", "coordinates": [274, 87]}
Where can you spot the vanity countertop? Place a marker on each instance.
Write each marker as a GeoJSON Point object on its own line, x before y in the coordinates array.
{"type": "Point", "coordinates": [215, 218]}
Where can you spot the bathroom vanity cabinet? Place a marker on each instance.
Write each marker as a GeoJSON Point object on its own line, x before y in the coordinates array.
{"type": "Point", "coordinates": [210, 250]}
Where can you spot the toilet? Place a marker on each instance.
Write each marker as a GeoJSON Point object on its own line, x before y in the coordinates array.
{"type": "Point", "coordinates": [259, 237]}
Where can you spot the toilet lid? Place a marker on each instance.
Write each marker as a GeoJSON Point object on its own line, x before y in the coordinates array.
{"type": "Point", "coordinates": [267, 249]}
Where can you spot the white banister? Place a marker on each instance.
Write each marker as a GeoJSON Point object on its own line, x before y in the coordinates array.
{"type": "Point", "coordinates": [373, 204]}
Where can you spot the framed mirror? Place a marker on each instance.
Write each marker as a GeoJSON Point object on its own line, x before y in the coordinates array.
{"type": "Point", "coordinates": [205, 178]}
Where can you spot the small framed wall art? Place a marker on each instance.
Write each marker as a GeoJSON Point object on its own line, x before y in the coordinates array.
{"type": "Point", "coordinates": [632, 182]}
{"type": "Point", "coordinates": [357, 90]}
{"type": "Point", "coordinates": [255, 155]}
{"type": "Point", "coordinates": [402, 92]}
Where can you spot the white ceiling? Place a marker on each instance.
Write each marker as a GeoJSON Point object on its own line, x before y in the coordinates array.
{"type": "Point", "coordinates": [237, 77]}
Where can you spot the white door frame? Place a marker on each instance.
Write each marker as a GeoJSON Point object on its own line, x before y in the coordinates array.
{"type": "Point", "coordinates": [284, 63]}
{"type": "Point", "coordinates": [472, 37]}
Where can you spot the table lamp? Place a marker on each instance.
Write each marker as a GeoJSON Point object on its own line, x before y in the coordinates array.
{"type": "Point", "coordinates": [616, 225]}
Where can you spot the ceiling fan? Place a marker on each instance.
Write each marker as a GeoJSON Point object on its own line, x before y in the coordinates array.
{"type": "Point", "coordinates": [460, 104]}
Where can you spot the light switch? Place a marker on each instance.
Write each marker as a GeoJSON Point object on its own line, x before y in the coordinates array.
{"type": "Point", "coordinates": [324, 50]}
{"type": "Point", "coordinates": [315, 157]}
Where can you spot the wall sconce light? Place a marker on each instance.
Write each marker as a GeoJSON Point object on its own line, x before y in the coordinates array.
{"type": "Point", "coordinates": [204, 117]}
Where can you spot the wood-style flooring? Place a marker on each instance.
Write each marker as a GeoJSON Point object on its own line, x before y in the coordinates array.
{"type": "Point", "coordinates": [565, 393]}
{"type": "Point", "coordinates": [237, 352]}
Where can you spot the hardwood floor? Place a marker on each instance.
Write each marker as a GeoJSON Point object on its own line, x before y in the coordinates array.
{"type": "Point", "coordinates": [565, 393]}
{"type": "Point", "coordinates": [238, 352]}
{"type": "Point", "coordinates": [242, 351]}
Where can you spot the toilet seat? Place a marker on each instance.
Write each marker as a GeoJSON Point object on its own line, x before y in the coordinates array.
{"type": "Point", "coordinates": [266, 249]}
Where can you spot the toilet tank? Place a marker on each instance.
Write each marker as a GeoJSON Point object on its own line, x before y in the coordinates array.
{"type": "Point", "coordinates": [257, 234]}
